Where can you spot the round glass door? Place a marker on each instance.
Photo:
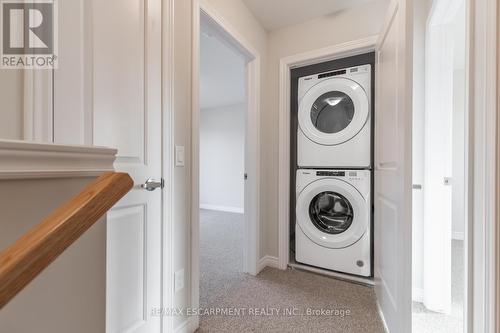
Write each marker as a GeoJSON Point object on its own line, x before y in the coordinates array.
{"type": "Point", "coordinates": [332, 112]}
{"type": "Point", "coordinates": [331, 212]}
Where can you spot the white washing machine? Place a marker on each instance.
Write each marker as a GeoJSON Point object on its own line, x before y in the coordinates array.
{"type": "Point", "coordinates": [333, 228]}
{"type": "Point", "coordinates": [334, 112]}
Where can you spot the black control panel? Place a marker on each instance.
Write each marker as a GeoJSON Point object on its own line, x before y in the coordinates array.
{"type": "Point", "coordinates": [341, 72]}
{"type": "Point", "coordinates": [330, 173]}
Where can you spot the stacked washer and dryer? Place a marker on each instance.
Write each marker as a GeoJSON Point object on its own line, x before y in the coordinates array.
{"type": "Point", "coordinates": [333, 228]}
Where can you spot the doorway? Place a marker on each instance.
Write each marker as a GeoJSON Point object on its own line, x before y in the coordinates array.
{"type": "Point", "coordinates": [439, 170]}
{"type": "Point", "coordinates": [222, 163]}
{"type": "Point", "coordinates": [225, 156]}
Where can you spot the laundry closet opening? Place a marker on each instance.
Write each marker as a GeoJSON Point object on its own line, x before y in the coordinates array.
{"type": "Point", "coordinates": [331, 154]}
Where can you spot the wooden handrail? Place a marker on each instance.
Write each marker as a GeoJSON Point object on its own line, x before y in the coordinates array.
{"type": "Point", "coordinates": [29, 255]}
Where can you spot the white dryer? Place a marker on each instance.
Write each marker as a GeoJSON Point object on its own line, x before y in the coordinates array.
{"type": "Point", "coordinates": [334, 112]}
{"type": "Point", "coordinates": [333, 228]}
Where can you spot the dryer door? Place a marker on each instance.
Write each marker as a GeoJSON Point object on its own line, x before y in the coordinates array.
{"type": "Point", "coordinates": [332, 213]}
{"type": "Point", "coordinates": [333, 111]}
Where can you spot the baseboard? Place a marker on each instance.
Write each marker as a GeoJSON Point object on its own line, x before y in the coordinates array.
{"type": "Point", "coordinates": [267, 261]}
{"type": "Point", "coordinates": [228, 209]}
{"type": "Point", "coordinates": [417, 295]}
{"type": "Point", "coordinates": [458, 235]}
{"type": "Point", "coordinates": [188, 326]}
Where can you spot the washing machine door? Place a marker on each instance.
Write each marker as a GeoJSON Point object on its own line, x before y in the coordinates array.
{"type": "Point", "coordinates": [333, 111]}
{"type": "Point", "coordinates": [332, 213]}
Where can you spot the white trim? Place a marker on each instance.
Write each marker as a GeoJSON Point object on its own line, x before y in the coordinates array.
{"type": "Point", "coordinates": [168, 295]}
{"type": "Point", "coordinates": [458, 235]}
{"type": "Point", "coordinates": [229, 209]}
{"type": "Point", "coordinates": [38, 113]}
{"type": "Point", "coordinates": [22, 159]}
{"type": "Point", "coordinates": [347, 49]}
{"type": "Point", "coordinates": [286, 64]}
{"type": "Point", "coordinates": [267, 261]}
{"type": "Point", "coordinates": [482, 232]}
{"type": "Point", "coordinates": [252, 154]}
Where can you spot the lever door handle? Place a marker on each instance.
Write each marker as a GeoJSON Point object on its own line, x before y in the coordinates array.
{"type": "Point", "coordinates": [151, 184]}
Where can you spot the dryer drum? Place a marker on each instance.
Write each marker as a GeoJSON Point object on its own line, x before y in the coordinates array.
{"type": "Point", "coordinates": [332, 112]}
{"type": "Point", "coordinates": [331, 212]}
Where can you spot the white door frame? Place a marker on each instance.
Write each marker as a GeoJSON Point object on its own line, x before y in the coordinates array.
{"type": "Point", "coordinates": [252, 153]}
{"type": "Point", "coordinates": [168, 301]}
{"type": "Point", "coordinates": [482, 258]}
{"type": "Point", "coordinates": [338, 51]}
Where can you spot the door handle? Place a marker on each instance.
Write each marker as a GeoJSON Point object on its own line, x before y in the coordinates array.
{"type": "Point", "coordinates": [151, 184]}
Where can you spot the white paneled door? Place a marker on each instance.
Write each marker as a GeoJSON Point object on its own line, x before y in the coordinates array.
{"type": "Point", "coordinates": [126, 90]}
{"type": "Point", "coordinates": [393, 171]}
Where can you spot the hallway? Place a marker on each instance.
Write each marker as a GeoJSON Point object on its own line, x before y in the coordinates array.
{"type": "Point", "coordinates": [275, 300]}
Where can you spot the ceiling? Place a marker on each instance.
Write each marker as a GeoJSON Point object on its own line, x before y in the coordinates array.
{"type": "Point", "coordinates": [276, 14]}
{"type": "Point", "coordinates": [222, 71]}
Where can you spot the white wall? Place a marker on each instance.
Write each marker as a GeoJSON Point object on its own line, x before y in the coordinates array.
{"type": "Point", "coordinates": [11, 109]}
{"type": "Point", "coordinates": [222, 158]}
{"type": "Point", "coordinates": [222, 69]}
{"type": "Point", "coordinates": [354, 23]}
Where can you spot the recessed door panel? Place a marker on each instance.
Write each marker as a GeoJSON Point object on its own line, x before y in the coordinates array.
{"type": "Point", "coordinates": [119, 77]}
{"type": "Point", "coordinates": [126, 257]}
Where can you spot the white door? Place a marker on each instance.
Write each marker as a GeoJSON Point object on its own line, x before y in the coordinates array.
{"type": "Point", "coordinates": [126, 76]}
{"type": "Point", "coordinates": [393, 158]}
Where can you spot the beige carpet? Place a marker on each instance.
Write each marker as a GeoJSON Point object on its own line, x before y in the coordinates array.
{"type": "Point", "coordinates": [275, 300]}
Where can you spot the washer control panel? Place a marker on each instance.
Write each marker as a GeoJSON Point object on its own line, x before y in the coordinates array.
{"type": "Point", "coordinates": [353, 175]}
{"type": "Point", "coordinates": [330, 173]}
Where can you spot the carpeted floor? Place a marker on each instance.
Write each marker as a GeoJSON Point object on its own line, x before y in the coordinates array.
{"type": "Point", "coordinates": [275, 300]}
{"type": "Point", "coordinates": [425, 321]}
